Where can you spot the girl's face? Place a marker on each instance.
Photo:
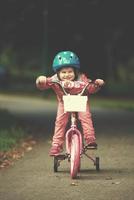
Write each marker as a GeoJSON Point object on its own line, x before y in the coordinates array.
{"type": "Point", "coordinates": [67, 73]}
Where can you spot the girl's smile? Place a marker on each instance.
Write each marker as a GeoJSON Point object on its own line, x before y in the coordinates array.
{"type": "Point", "coordinates": [67, 73]}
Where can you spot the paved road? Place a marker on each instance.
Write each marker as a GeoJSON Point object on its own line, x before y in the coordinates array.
{"type": "Point", "coordinates": [32, 178]}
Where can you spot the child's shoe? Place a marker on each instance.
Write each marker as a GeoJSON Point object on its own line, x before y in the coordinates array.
{"type": "Point", "coordinates": [55, 150]}
{"type": "Point", "coordinates": [90, 143]}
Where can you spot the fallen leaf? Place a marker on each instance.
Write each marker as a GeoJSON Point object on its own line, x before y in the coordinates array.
{"type": "Point", "coordinates": [7, 158]}
{"type": "Point", "coordinates": [74, 184]}
{"type": "Point", "coordinates": [116, 183]}
{"type": "Point", "coordinates": [29, 148]}
{"type": "Point", "coordinates": [109, 178]}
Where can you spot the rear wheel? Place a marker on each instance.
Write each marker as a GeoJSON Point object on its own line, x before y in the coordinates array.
{"type": "Point", "coordinates": [75, 156]}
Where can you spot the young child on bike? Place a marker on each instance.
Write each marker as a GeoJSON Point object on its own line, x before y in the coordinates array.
{"type": "Point", "coordinates": [66, 66]}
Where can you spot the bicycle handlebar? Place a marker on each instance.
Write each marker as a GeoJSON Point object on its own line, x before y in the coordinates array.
{"type": "Point", "coordinates": [63, 89]}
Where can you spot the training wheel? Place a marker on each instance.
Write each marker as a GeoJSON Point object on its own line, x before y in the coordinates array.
{"type": "Point", "coordinates": [56, 164]}
{"type": "Point", "coordinates": [97, 164]}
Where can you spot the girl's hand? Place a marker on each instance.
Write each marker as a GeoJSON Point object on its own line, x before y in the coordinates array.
{"type": "Point", "coordinates": [41, 81]}
{"type": "Point", "coordinates": [99, 82]}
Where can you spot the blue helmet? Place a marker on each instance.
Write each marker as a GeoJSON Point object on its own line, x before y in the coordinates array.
{"type": "Point", "coordinates": [66, 59]}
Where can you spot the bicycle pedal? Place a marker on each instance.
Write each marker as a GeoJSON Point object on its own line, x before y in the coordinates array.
{"type": "Point", "coordinates": [61, 156]}
{"type": "Point", "coordinates": [90, 147]}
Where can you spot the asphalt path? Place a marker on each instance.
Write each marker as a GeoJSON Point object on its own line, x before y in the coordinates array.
{"type": "Point", "coordinates": [32, 177]}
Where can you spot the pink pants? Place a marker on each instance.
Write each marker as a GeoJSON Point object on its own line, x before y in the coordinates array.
{"type": "Point", "coordinates": [62, 120]}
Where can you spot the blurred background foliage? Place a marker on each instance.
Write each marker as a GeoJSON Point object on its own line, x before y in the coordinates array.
{"type": "Point", "coordinates": [99, 31]}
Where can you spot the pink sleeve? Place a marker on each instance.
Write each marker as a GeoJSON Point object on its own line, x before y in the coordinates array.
{"type": "Point", "coordinates": [92, 88]}
{"type": "Point", "coordinates": [47, 84]}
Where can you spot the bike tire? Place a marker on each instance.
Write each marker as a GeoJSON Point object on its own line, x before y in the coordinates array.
{"type": "Point", "coordinates": [56, 164]}
{"type": "Point", "coordinates": [75, 156]}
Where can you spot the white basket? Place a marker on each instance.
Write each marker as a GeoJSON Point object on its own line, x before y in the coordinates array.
{"type": "Point", "coordinates": [74, 103]}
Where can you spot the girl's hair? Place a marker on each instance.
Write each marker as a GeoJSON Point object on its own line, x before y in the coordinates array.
{"type": "Point", "coordinates": [76, 72]}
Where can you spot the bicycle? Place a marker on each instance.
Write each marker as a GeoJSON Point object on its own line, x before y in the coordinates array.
{"type": "Point", "coordinates": [75, 147]}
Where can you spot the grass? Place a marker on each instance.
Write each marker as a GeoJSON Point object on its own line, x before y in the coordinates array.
{"type": "Point", "coordinates": [10, 132]}
{"type": "Point", "coordinates": [9, 138]}
{"type": "Point", "coordinates": [113, 103]}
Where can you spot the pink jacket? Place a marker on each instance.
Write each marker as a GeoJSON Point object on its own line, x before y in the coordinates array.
{"type": "Point", "coordinates": [73, 89]}
{"type": "Point", "coordinates": [62, 117]}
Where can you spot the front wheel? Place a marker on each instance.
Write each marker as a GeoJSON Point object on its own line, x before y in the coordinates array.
{"type": "Point", "coordinates": [75, 156]}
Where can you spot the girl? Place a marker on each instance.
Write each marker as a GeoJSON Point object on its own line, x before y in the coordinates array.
{"type": "Point", "coordinates": [66, 66]}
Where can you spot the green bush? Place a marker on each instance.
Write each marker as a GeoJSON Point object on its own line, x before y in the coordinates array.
{"type": "Point", "coordinates": [10, 137]}
{"type": "Point", "coordinates": [119, 89]}
{"type": "Point", "coordinates": [10, 132]}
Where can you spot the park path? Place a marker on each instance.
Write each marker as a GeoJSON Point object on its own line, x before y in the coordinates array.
{"type": "Point", "coordinates": [32, 177]}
